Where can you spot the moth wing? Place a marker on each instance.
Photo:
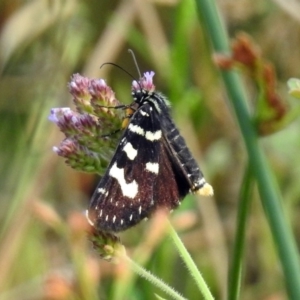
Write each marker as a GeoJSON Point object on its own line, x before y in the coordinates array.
{"type": "Point", "coordinates": [124, 195]}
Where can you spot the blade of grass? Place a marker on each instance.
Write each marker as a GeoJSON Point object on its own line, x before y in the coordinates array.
{"type": "Point", "coordinates": [235, 275]}
{"type": "Point", "coordinates": [29, 158]}
{"type": "Point", "coordinates": [268, 188]}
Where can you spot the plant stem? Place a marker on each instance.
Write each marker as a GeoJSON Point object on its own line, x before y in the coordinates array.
{"type": "Point", "coordinates": [235, 275]}
{"type": "Point", "coordinates": [267, 186]}
{"type": "Point", "coordinates": [190, 265]}
{"type": "Point", "coordinates": [153, 279]}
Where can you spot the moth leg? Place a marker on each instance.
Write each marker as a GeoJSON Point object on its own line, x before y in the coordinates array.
{"type": "Point", "coordinates": [116, 107]}
{"type": "Point", "coordinates": [129, 111]}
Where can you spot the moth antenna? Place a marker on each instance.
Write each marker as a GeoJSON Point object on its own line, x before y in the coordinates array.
{"type": "Point", "coordinates": [119, 67]}
{"type": "Point", "coordinates": [135, 62]}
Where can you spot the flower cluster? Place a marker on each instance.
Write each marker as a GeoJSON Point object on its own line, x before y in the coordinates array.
{"type": "Point", "coordinates": [107, 245]}
{"type": "Point", "coordinates": [89, 131]}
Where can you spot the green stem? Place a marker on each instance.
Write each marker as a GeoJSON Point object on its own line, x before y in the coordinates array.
{"type": "Point", "coordinates": [153, 279]}
{"type": "Point", "coordinates": [234, 280]}
{"type": "Point", "coordinates": [190, 265]}
{"type": "Point", "coordinates": [268, 188]}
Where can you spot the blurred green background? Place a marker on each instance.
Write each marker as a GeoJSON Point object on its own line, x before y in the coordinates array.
{"type": "Point", "coordinates": [44, 252]}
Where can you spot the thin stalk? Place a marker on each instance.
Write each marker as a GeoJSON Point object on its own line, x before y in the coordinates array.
{"type": "Point", "coordinates": [268, 188]}
{"type": "Point", "coordinates": [194, 272]}
{"type": "Point", "coordinates": [235, 275]}
{"type": "Point", "coordinates": [153, 279]}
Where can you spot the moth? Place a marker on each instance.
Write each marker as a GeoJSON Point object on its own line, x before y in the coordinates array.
{"type": "Point", "coordinates": [152, 167]}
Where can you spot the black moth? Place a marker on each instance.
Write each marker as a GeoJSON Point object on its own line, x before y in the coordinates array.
{"type": "Point", "coordinates": [152, 167]}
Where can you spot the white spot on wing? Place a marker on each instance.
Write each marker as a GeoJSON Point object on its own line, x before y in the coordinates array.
{"type": "Point", "coordinates": [130, 218]}
{"type": "Point", "coordinates": [152, 136]}
{"type": "Point", "coordinates": [114, 219]}
{"type": "Point", "coordinates": [106, 218]}
{"type": "Point", "coordinates": [101, 190]}
{"type": "Point", "coordinates": [128, 189]}
{"type": "Point", "coordinates": [143, 113]}
{"type": "Point", "coordinates": [130, 151]}
{"type": "Point", "coordinates": [152, 167]}
{"type": "Point", "coordinates": [140, 209]}
{"type": "Point", "coordinates": [88, 218]}
{"type": "Point", "coordinates": [136, 129]}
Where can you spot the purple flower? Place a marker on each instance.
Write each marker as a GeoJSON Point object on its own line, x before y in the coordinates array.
{"type": "Point", "coordinates": [79, 86]}
{"type": "Point", "coordinates": [56, 114]}
{"type": "Point", "coordinates": [146, 82]}
{"type": "Point", "coordinates": [66, 148]}
{"type": "Point", "coordinates": [100, 91]}
{"type": "Point", "coordinates": [148, 77]}
{"type": "Point", "coordinates": [78, 156]}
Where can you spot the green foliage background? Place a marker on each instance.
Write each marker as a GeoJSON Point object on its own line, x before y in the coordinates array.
{"type": "Point", "coordinates": [44, 253]}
